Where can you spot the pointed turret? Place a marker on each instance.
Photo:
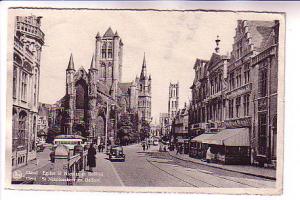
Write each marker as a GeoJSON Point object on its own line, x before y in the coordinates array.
{"type": "Point", "coordinates": [98, 35]}
{"type": "Point", "coordinates": [71, 63]}
{"type": "Point", "coordinates": [93, 63]}
{"type": "Point", "coordinates": [144, 70]}
{"type": "Point", "coordinates": [116, 34]}
{"type": "Point", "coordinates": [109, 33]}
{"type": "Point", "coordinates": [217, 49]}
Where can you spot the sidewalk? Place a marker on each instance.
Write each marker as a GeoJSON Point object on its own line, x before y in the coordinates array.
{"type": "Point", "coordinates": [244, 169]}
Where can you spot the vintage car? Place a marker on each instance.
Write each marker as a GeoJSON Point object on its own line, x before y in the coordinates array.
{"type": "Point", "coordinates": [40, 147]}
{"type": "Point", "coordinates": [116, 153]}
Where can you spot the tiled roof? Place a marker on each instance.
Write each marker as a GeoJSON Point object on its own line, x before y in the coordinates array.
{"type": "Point", "coordinates": [260, 32]}
{"type": "Point", "coordinates": [109, 33]}
{"type": "Point", "coordinates": [124, 86]}
{"type": "Point", "coordinates": [101, 86]}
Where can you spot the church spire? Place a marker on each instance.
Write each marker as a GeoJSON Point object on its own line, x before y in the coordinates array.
{"type": "Point", "coordinates": [93, 63]}
{"type": "Point", "coordinates": [71, 63]}
{"type": "Point", "coordinates": [144, 72]}
{"type": "Point", "coordinates": [217, 49]}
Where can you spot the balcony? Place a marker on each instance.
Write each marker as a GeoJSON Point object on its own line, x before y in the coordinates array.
{"type": "Point", "coordinates": [31, 30]}
{"type": "Point", "coordinates": [263, 55]}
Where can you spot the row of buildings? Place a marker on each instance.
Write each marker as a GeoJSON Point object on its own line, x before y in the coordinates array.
{"type": "Point", "coordinates": [234, 98]}
{"type": "Point", "coordinates": [94, 100]}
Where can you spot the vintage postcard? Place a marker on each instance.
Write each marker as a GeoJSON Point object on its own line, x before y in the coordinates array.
{"type": "Point", "coordinates": [145, 100]}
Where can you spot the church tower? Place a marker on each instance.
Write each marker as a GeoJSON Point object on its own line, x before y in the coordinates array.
{"type": "Point", "coordinates": [144, 97]}
{"type": "Point", "coordinates": [173, 100]}
{"type": "Point", "coordinates": [108, 59]}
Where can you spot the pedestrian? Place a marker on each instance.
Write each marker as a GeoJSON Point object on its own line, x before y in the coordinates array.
{"type": "Point", "coordinates": [180, 149]}
{"type": "Point", "coordinates": [99, 147]}
{"type": "Point", "coordinates": [91, 158]}
{"type": "Point", "coordinates": [209, 155]}
{"type": "Point", "coordinates": [143, 145]}
{"type": "Point", "coordinates": [102, 147]}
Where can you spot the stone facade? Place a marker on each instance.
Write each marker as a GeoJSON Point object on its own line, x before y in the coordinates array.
{"type": "Point", "coordinates": [264, 136]}
{"type": "Point", "coordinates": [28, 42]}
{"type": "Point", "coordinates": [180, 125]}
{"type": "Point", "coordinates": [98, 95]}
{"type": "Point", "coordinates": [163, 123]}
{"type": "Point", "coordinates": [240, 91]}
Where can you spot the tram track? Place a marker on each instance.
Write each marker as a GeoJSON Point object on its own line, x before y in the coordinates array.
{"type": "Point", "coordinates": [153, 162]}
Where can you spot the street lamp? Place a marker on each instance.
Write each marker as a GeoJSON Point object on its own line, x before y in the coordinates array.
{"type": "Point", "coordinates": [106, 124]}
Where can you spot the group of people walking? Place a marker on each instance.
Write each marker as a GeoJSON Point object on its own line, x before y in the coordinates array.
{"type": "Point", "coordinates": [145, 145]}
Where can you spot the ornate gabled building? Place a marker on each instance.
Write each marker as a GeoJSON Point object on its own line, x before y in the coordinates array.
{"type": "Point", "coordinates": [95, 99]}
{"type": "Point", "coordinates": [239, 96]}
{"type": "Point", "coordinates": [252, 80]}
{"type": "Point", "coordinates": [28, 42]}
{"type": "Point", "coordinates": [197, 109]}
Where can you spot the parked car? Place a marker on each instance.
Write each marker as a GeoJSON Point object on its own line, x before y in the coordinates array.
{"type": "Point", "coordinates": [116, 153]}
{"type": "Point", "coordinates": [40, 147]}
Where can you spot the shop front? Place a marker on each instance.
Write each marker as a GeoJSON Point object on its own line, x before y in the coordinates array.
{"type": "Point", "coordinates": [197, 147]}
{"type": "Point", "coordinates": [230, 146]}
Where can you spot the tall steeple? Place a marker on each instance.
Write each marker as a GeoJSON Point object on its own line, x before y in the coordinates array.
{"type": "Point", "coordinates": [144, 70]}
{"type": "Point", "coordinates": [71, 63]}
{"type": "Point", "coordinates": [217, 49]}
{"type": "Point", "coordinates": [109, 33]}
{"type": "Point", "coordinates": [93, 63]}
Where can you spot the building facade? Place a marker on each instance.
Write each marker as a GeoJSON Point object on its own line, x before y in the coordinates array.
{"type": "Point", "coordinates": [197, 109]}
{"type": "Point", "coordinates": [265, 63]}
{"type": "Point", "coordinates": [163, 123]}
{"type": "Point", "coordinates": [180, 125]}
{"type": "Point", "coordinates": [238, 94]}
{"type": "Point", "coordinates": [28, 42]}
{"type": "Point", "coordinates": [43, 122]}
{"type": "Point", "coordinates": [95, 99]}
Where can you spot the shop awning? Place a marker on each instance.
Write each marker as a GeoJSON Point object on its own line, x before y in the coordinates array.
{"type": "Point", "coordinates": [202, 137]}
{"type": "Point", "coordinates": [230, 137]}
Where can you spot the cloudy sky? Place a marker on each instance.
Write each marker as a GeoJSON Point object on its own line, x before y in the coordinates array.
{"type": "Point", "coordinates": [171, 40]}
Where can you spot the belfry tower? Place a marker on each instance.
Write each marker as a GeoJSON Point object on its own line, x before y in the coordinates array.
{"type": "Point", "coordinates": [144, 97]}
{"type": "Point", "coordinates": [173, 100]}
{"type": "Point", "coordinates": [108, 59]}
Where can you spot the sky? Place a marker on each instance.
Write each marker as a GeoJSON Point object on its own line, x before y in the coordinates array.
{"type": "Point", "coordinates": [171, 41]}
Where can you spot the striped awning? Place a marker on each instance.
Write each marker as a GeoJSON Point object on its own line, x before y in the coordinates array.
{"type": "Point", "coordinates": [202, 137]}
{"type": "Point", "coordinates": [230, 137]}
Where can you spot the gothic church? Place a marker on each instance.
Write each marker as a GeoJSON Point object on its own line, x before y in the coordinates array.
{"type": "Point", "coordinates": [98, 94]}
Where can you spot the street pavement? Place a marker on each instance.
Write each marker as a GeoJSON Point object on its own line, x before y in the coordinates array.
{"type": "Point", "coordinates": [152, 168]}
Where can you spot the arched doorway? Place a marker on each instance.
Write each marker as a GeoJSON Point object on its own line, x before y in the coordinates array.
{"type": "Point", "coordinates": [81, 108]}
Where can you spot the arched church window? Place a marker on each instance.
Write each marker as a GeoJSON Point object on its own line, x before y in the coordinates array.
{"type": "Point", "coordinates": [104, 50]}
{"type": "Point", "coordinates": [109, 50]}
{"type": "Point", "coordinates": [81, 95]}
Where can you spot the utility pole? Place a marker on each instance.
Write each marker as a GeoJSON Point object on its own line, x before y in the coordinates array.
{"type": "Point", "coordinates": [106, 120]}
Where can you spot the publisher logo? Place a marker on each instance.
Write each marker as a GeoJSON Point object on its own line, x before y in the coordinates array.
{"type": "Point", "coordinates": [17, 175]}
